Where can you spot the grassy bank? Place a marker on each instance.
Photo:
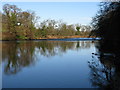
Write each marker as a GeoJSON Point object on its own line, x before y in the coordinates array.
{"type": "Point", "coordinates": [8, 36]}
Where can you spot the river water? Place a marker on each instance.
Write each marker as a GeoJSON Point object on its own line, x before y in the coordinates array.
{"type": "Point", "coordinates": [48, 64]}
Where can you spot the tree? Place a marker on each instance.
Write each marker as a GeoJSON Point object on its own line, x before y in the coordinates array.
{"type": "Point", "coordinates": [78, 28]}
{"type": "Point", "coordinates": [106, 22]}
{"type": "Point", "coordinates": [18, 24]}
{"type": "Point", "coordinates": [11, 14]}
{"type": "Point", "coordinates": [107, 25]}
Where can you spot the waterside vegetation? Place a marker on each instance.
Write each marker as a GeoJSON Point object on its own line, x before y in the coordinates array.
{"type": "Point", "coordinates": [25, 25]}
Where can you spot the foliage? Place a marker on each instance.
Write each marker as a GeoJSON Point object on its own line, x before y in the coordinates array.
{"type": "Point", "coordinates": [25, 25]}
{"type": "Point", "coordinates": [106, 22]}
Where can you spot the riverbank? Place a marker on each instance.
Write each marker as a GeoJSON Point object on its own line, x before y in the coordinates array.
{"type": "Point", "coordinates": [52, 38]}
{"type": "Point", "coordinates": [64, 37]}
{"type": "Point", "coordinates": [6, 37]}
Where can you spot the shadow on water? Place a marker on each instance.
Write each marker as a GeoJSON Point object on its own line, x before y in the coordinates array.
{"type": "Point", "coordinates": [20, 54]}
{"type": "Point", "coordinates": [105, 67]}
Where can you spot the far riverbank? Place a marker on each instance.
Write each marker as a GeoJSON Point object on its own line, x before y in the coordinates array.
{"type": "Point", "coordinates": [6, 38]}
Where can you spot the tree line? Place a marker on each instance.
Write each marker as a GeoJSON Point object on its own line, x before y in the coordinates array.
{"type": "Point", "coordinates": [19, 24]}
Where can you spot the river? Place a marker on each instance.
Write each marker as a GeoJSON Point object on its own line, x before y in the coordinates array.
{"type": "Point", "coordinates": [48, 64]}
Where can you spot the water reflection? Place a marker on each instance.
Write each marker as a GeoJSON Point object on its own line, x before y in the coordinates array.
{"type": "Point", "coordinates": [105, 67]}
{"type": "Point", "coordinates": [20, 54]}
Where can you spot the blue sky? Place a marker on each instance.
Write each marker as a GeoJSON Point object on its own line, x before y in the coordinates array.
{"type": "Point", "coordinates": [69, 12]}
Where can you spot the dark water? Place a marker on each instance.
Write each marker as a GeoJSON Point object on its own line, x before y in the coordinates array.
{"type": "Point", "coordinates": [50, 64]}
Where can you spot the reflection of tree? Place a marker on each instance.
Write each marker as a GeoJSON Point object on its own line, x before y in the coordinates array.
{"type": "Point", "coordinates": [107, 25]}
{"type": "Point", "coordinates": [17, 55]}
{"type": "Point", "coordinates": [105, 70]}
{"type": "Point", "coordinates": [83, 44]}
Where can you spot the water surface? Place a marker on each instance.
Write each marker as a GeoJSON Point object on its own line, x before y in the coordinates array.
{"type": "Point", "coordinates": [47, 64]}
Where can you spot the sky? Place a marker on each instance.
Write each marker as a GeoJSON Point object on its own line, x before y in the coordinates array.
{"type": "Point", "coordinates": [69, 12]}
